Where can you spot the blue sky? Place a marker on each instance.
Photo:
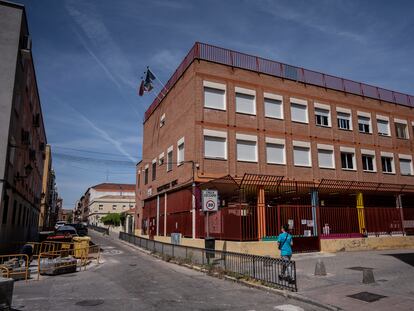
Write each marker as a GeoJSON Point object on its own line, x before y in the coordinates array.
{"type": "Point", "coordinates": [90, 55]}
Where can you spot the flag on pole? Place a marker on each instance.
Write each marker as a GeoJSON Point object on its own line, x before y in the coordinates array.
{"type": "Point", "coordinates": [146, 85]}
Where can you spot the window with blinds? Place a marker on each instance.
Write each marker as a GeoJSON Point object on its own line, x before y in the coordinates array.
{"type": "Point", "coordinates": [215, 147]}
{"type": "Point", "coordinates": [246, 150]}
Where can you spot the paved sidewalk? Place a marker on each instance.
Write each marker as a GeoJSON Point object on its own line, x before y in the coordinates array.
{"type": "Point", "coordinates": [393, 272]}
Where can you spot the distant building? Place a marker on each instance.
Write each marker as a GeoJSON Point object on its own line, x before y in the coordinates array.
{"type": "Point", "coordinates": [280, 144]}
{"type": "Point", "coordinates": [22, 132]}
{"type": "Point", "coordinates": [103, 199]}
{"type": "Point", "coordinates": [65, 215]}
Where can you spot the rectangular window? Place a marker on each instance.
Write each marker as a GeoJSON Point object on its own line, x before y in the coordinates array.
{"type": "Point", "coordinates": [387, 164]}
{"type": "Point", "coordinates": [15, 211]}
{"type": "Point", "coordinates": [162, 120]}
{"type": "Point", "coordinates": [301, 156]}
{"type": "Point", "coordinates": [146, 175]}
{"type": "Point", "coordinates": [344, 121]}
{"type": "Point", "coordinates": [169, 160]}
{"type": "Point", "coordinates": [154, 170]}
{"type": "Point", "coordinates": [347, 160]}
{"type": "Point", "coordinates": [215, 144]}
{"type": "Point", "coordinates": [364, 124]}
{"type": "Point", "coordinates": [114, 207]}
{"type": "Point", "coordinates": [275, 153]}
{"type": "Point", "coordinates": [245, 103]}
{"type": "Point", "coordinates": [401, 130]}
{"type": "Point", "coordinates": [406, 167]}
{"type": "Point", "coordinates": [383, 127]}
{"type": "Point", "coordinates": [5, 208]}
{"type": "Point", "coordinates": [322, 117]}
{"type": "Point", "coordinates": [326, 158]}
{"type": "Point", "coordinates": [273, 105]}
{"type": "Point", "coordinates": [214, 95]}
{"type": "Point", "coordinates": [368, 163]}
{"type": "Point", "coordinates": [180, 151]}
{"type": "Point", "coordinates": [299, 112]}
{"type": "Point", "coordinates": [100, 207]}
{"type": "Point", "coordinates": [246, 150]}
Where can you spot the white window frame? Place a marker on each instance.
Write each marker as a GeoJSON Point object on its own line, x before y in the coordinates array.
{"type": "Point", "coordinates": [215, 86]}
{"type": "Point", "coordinates": [161, 158]}
{"type": "Point", "coordinates": [277, 142]}
{"type": "Point", "coordinates": [409, 158]}
{"type": "Point", "coordinates": [365, 115]}
{"type": "Point", "coordinates": [180, 143]}
{"type": "Point", "coordinates": [248, 92]}
{"type": "Point", "coordinates": [302, 145]}
{"type": "Point", "coordinates": [404, 122]}
{"type": "Point", "coordinates": [344, 111]}
{"type": "Point", "coordinates": [388, 155]}
{"type": "Point", "coordinates": [215, 134]}
{"type": "Point", "coordinates": [369, 153]}
{"type": "Point", "coordinates": [326, 148]}
{"type": "Point", "coordinates": [162, 120]}
{"type": "Point", "coordinates": [386, 119]}
{"type": "Point", "coordinates": [247, 138]}
{"type": "Point", "coordinates": [170, 164]}
{"type": "Point", "coordinates": [318, 106]}
{"type": "Point", "coordinates": [348, 150]}
{"type": "Point", "coordinates": [299, 102]}
{"type": "Point", "coordinates": [273, 97]}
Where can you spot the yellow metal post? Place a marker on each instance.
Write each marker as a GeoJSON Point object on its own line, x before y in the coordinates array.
{"type": "Point", "coordinates": [361, 214]}
{"type": "Point", "coordinates": [261, 218]}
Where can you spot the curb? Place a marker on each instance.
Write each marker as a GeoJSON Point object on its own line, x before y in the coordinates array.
{"type": "Point", "coordinates": [276, 291]}
{"type": "Point", "coordinates": [284, 293]}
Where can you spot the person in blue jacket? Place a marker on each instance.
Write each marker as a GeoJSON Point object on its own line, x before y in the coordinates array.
{"type": "Point", "coordinates": [285, 243]}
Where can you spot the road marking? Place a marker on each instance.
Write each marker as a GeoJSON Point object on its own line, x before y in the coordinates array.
{"type": "Point", "coordinates": [288, 308]}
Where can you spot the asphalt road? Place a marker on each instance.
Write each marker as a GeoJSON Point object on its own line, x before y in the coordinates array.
{"type": "Point", "coordinates": [129, 279]}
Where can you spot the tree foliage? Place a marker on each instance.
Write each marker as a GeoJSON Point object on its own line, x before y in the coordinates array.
{"type": "Point", "coordinates": [112, 219]}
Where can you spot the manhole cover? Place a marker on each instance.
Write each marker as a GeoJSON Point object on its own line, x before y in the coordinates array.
{"type": "Point", "coordinates": [367, 297]}
{"type": "Point", "coordinates": [89, 303]}
{"type": "Point", "coordinates": [360, 268]}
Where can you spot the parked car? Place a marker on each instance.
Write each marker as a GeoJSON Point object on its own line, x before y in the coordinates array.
{"type": "Point", "coordinates": [63, 234]}
{"type": "Point", "coordinates": [81, 229]}
{"type": "Point", "coordinates": [59, 224]}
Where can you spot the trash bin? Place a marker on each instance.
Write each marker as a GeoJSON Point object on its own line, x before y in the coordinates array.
{"type": "Point", "coordinates": [210, 246]}
{"type": "Point", "coordinates": [81, 246]}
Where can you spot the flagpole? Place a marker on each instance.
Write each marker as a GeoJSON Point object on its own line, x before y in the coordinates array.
{"type": "Point", "coordinates": [158, 79]}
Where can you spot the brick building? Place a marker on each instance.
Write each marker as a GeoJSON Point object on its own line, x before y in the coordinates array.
{"type": "Point", "coordinates": [295, 146]}
{"type": "Point", "coordinates": [22, 132]}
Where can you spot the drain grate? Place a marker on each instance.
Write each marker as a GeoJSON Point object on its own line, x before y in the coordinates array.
{"type": "Point", "coordinates": [360, 268]}
{"type": "Point", "coordinates": [367, 297]}
{"type": "Point", "coordinates": [90, 303]}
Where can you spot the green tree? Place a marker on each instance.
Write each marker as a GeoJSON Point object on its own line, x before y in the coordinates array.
{"type": "Point", "coordinates": [70, 218]}
{"type": "Point", "coordinates": [112, 219]}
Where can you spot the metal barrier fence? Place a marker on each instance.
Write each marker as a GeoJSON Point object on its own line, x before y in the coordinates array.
{"type": "Point", "coordinates": [99, 229]}
{"type": "Point", "coordinates": [14, 266]}
{"type": "Point", "coordinates": [271, 271]}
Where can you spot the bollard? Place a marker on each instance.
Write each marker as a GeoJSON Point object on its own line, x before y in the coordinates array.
{"type": "Point", "coordinates": [368, 276]}
{"type": "Point", "coordinates": [320, 268]}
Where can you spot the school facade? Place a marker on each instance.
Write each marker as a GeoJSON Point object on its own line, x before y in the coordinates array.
{"type": "Point", "coordinates": [281, 144]}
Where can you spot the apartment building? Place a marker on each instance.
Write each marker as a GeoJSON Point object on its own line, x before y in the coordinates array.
{"type": "Point", "coordinates": [230, 114]}
{"type": "Point", "coordinates": [103, 199]}
{"type": "Point", "coordinates": [22, 132]}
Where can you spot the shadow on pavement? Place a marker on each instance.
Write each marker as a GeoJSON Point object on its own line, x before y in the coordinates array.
{"type": "Point", "coordinates": [408, 258]}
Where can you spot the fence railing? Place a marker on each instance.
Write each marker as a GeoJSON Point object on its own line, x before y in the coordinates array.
{"type": "Point", "coordinates": [271, 271]}
{"type": "Point", "coordinates": [244, 61]}
{"type": "Point", "coordinates": [99, 229]}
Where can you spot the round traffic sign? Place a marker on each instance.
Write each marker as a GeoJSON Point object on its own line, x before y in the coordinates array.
{"type": "Point", "coordinates": [210, 205]}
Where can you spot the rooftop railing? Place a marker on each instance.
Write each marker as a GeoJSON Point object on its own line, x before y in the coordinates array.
{"type": "Point", "coordinates": [231, 58]}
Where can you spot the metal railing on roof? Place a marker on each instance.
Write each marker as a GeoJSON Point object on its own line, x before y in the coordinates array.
{"type": "Point", "coordinates": [227, 57]}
